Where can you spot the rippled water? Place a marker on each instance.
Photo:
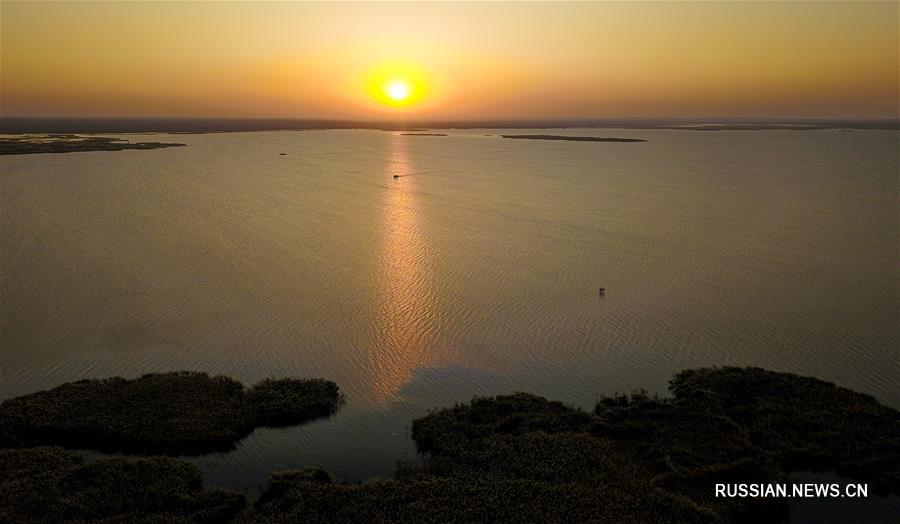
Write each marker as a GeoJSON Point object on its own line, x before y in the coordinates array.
{"type": "Point", "coordinates": [474, 272]}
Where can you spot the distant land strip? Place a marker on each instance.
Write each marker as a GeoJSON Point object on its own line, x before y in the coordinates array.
{"type": "Point", "coordinates": [424, 134]}
{"type": "Point", "coordinates": [573, 138]}
{"type": "Point", "coordinates": [26, 124]}
{"type": "Point", "coordinates": [27, 145]}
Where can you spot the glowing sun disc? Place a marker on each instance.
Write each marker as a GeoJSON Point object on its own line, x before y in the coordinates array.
{"type": "Point", "coordinates": [398, 91]}
{"type": "Point", "coordinates": [397, 84]}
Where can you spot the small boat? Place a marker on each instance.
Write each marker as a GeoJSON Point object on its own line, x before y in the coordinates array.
{"type": "Point", "coordinates": [602, 291]}
{"type": "Point", "coordinates": [396, 176]}
{"type": "Point", "coordinates": [280, 154]}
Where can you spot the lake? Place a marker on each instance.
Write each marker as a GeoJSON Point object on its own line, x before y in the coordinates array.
{"type": "Point", "coordinates": [475, 272]}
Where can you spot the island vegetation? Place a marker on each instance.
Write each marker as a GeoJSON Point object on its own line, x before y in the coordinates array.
{"type": "Point", "coordinates": [522, 458]}
{"type": "Point", "coordinates": [635, 459]}
{"type": "Point", "coordinates": [167, 413]}
{"type": "Point", "coordinates": [55, 485]}
{"type": "Point", "coordinates": [64, 143]}
{"type": "Point", "coordinates": [573, 138]}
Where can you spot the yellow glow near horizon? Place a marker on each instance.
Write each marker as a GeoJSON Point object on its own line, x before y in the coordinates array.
{"type": "Point", "coordinates": [458, 60]}
{"type": "Point", "coordinates": [397, 84]}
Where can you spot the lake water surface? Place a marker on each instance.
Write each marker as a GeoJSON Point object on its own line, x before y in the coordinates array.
{"type": "Point", "coordinates": [475, 272]}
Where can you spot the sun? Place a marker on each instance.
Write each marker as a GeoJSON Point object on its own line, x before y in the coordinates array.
{"type": "Point", "coordinates": [398, 90]}
{"type": "Point", "coordinates": [399, 85]}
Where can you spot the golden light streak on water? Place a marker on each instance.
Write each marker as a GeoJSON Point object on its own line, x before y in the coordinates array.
{"type": "Point", "coordinates": [404, 297]}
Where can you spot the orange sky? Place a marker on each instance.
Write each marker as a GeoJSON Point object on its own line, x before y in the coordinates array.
{"type": "Point", "coordinates": [469, 60]}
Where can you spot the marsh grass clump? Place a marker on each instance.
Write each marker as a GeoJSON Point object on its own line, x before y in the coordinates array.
{"type": "Point", "coordinates": [156, 413]}
{"type": "Point", "coordinates": [509, 414]}
{"type": "Point", "coordinates": [752, 425]}
{"type": "Point", "coordinates": [309, 496]}
{"type": "Point", "coordinates": [168, 413]}
{"type": "Point", "coordinates": [685, 448]}
{"type": "Point", "coordinates": [54, 485]}
{"type": "Point", "coordinates": [805, 422]}
{"type": "Point", "coordinates": [636, 459]}
{"type": "Point", "coordinates": [514, 458]}
{"type": "Point", "coordinates": [291, 401]}
{"type": "Point", "coordinates": [511, 458]}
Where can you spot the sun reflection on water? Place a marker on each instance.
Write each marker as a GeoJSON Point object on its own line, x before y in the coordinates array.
{"type": "Point", "coordinates": [405, 295]}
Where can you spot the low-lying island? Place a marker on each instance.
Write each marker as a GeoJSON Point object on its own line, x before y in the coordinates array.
{"type": "Point", "coordinates": [32, 144]}
{"type": "Point", "coordinates": [573, 138]}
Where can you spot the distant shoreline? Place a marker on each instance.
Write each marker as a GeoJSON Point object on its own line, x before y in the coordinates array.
{"type": "Point", "coordinates": [573, 138]}
{"type": "Point", "coordinates": [20, 125]}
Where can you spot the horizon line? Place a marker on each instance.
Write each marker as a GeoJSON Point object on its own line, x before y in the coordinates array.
{"type": "Point", "coordinates": [454, 119]}
{"type": "Point", "coordinates": [123, 124]}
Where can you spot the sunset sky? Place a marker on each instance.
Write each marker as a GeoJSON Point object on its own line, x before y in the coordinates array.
{"type": "Point", "coordinates": [450, 60]}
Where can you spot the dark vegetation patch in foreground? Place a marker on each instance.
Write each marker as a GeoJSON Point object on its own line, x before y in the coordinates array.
{"type": "Point", "coordinates": [573, 138]}
{"type": "Point", "coordinates": [170, 413]}
{"type": "Point", "coordinates": [55, 485]}
{"type": "Point", "coordinates": [521, 458]}
{"type": "Point", "coordinates": [25, 145]}
{"type": "Point", "coordinates": [514, 458]}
